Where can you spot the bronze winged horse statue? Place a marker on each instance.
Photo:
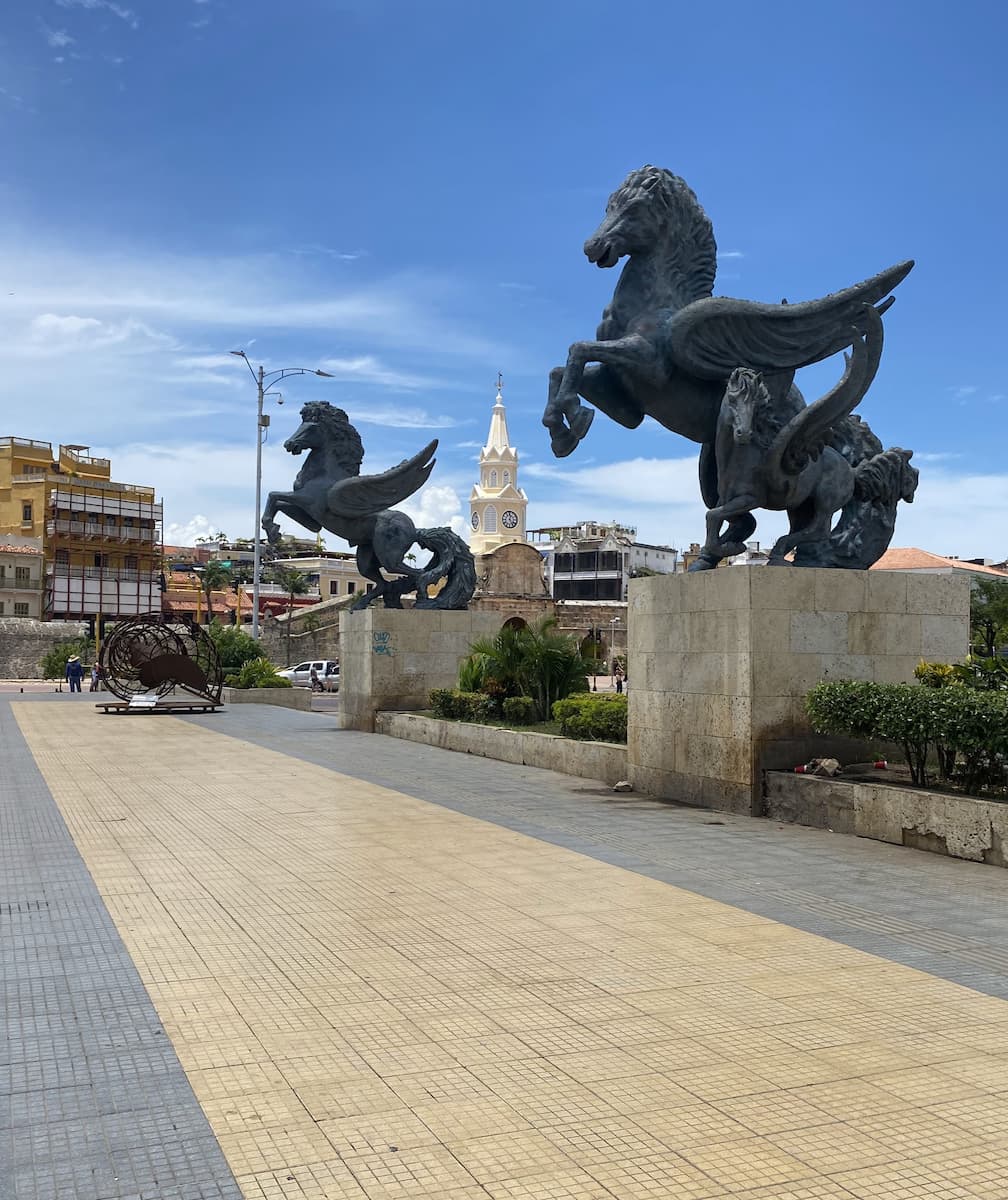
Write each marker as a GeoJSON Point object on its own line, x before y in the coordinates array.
{"type": "Point", "coordinates": [666, 347]}
{"type": "Point", "coordinates": [330, 493]}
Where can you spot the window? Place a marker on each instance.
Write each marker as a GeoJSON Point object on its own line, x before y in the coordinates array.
{"type": "Point", "coordinates": [587, 560]}
{"type": "Point", "coordinates": [610, 560]}
{"type": "Point", "coordinates": [101, 560]}
{"type": "Point", "coordinates": [507, 478]}
{"type": "Point", "coordinates": [351, 587]}
{"type": "Point", "coordinates": [21, 574]}
{"type": "Point", "coordinates": [333, 587]}
{"type": "Point", "coordinates": [131, 562]}
{"type": "Point", "coordinates": [20, 610]}
{"type": "Point", "coordinates": [2, 605]}
{"type": "Point", "coordinates": [490, 520]}
{"type": "Point", "coordinates": [563, 563]}
{"type": "Point", "coordinates": [493, 478]}
{"type": "Point", "coordinates": [26, 513]}
{"type": "Point", "coordinates": [62, 556]}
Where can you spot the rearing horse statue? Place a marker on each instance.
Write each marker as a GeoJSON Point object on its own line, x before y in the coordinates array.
{"type": "Point", "coordinates": [666, 347]}
{"type": "Point", "coordinates": [330, 493]}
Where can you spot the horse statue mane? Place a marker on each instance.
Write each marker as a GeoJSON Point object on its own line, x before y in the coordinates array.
{"type": "Point", "coordinates": [673, 200]}
{"type": "Point", "coordinates": [766, 420]}
{"type": "Point", "coordinates": [346, 439]}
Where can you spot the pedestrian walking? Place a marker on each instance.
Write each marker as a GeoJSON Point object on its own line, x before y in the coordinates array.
{"type": "Point", "coordinates": [74, 672]}
{"type": "Point", "coordinates": [94, 677]}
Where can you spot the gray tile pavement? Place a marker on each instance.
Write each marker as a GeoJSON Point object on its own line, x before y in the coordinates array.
{"type": "Point", "coordinates": [94, 1104]}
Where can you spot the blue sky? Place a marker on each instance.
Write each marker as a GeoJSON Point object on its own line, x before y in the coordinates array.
{"type": "Point", "coordinates": [400, 192]}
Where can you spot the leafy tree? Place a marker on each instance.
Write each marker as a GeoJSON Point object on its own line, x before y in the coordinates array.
{"type": "Point", "coordinates": [215, 577]}
{"type": "Point", "coordinates": [294, 583]}
{"type": "Point", "coordinates": [989, 615]}
{"type": "Point", "coordinates": [234, 646]}
{"type": "Point", "coordinates": [257, 673]}
{"type": "Point", "coordinates": [54, 662]}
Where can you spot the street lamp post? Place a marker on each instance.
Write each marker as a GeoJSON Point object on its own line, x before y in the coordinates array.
{"type": "Point", "coordinates": [613, 622]}
{"type": "Point", "coordinates": [263, 388]}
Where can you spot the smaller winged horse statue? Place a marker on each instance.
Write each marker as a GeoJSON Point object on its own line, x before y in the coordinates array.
{"type": "Point", "coordinates": [330, 493]}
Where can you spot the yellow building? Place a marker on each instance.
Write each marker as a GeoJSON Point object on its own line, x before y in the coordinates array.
{"type": "Point", "coordinates": [101, 540]}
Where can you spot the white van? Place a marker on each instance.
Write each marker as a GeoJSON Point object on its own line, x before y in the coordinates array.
{"type": "Point", "coordinates": [326, 672]}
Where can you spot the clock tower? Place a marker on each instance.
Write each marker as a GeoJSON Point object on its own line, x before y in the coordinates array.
{"type": "Point", "coordinates": [497, 504]}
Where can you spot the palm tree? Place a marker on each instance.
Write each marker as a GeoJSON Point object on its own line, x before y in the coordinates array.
{"type": "Point", "coordinates": [534, 660]}
{"type": "Point", "coordinates": [294, 583]}
{"type": "Point", "coordinates": [214, 578]}
{"type": "Point", "coordinates": [553, 666]}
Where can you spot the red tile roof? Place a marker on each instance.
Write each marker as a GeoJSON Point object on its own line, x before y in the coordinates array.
{"type": "Point", "coordinates": [909, 558]}
{"type": "Point", "coordinates": [4, 549]}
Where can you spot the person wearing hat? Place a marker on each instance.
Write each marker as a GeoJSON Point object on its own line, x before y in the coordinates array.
{"type": "Point", "coordinates": [74, 672]}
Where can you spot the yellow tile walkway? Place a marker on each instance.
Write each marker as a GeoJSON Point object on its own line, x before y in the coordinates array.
{"type": "Point", "coordinates": [376, 997]}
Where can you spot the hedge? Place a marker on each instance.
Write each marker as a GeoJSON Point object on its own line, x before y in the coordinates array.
{"type": "Point", "coordinates": [520, 710]}
{"type": "Point", "coordinates": [452, 705]}
{"type": "Point", "coordinates": [965, 727]}
{"type": "Point", "coordinates": [592, 718]}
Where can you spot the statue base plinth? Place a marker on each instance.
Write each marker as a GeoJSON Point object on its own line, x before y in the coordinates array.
{"type": "Point", "coordinates": [720, 663]}
{"type": "Point", "coordinates": [390, 659]}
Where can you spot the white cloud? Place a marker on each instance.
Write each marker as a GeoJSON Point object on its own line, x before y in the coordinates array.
{"type": "Point", "coordinates": [59, 39]}
{"type": "Point", "coordinates": [366, 368]}
{"type": "Point", "coordinates": [124, 14]}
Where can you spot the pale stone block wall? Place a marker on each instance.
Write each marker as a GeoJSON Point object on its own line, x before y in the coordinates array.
{"type": "Point", "coordinates": [390, 659]}
{"type": "Point", "coordinates": [24, 642]}
{"type": "Point", "coordinates": [720, 663]}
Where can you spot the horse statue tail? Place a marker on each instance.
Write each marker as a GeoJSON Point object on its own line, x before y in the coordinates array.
{"type": "Point", "coordinates": [452, 561]}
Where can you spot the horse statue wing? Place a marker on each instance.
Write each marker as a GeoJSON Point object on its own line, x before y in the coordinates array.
{"type": "Point", "coordinates": [804, 437]}
{"type": "Point", "coordinates": [711, 337]}
{"type": "Point", "coordinates": [362, 495]}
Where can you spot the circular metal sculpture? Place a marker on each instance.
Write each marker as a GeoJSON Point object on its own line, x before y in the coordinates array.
{"type": "Point", "coordinates": [151, 655]}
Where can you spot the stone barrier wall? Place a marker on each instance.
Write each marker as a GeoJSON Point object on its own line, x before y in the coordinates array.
{"type": "Point", "coordinates": [960, 826]}
{"type": "Point", "coordinates": [24, 642]}
{"type": "Point", "coordinates": [293, 697]}
{"type": "Point", "coordinates": [585, 760]}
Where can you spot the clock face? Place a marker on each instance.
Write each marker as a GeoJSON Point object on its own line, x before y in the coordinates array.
{"type": "Point", "coordinates": [510, 519]}
{"type": "Point", "coordinates": [475, 520]}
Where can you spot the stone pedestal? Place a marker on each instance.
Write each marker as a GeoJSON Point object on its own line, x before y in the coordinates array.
{"type": "Point", "coordinates": [391, 658]}
{"type": "Point", "coordinates": [720, 662]}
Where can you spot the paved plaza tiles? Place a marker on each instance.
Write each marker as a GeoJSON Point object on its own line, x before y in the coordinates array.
{"type": "Point", "coordinates": [250, 955]}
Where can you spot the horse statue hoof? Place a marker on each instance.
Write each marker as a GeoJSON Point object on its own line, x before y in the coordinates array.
{"type": "Point", "coordinates": [703, 564]}
{"type": "Point", "coordinates": [565, 441]}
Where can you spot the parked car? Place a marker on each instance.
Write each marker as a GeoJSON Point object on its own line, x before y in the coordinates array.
{"type": "Point", "coordinates": [326, 672]}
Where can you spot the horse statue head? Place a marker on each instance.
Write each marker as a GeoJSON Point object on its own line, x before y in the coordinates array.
{"type": "Point", "coordinates": [652, 207]}
{"type": "Point", "coordinates": [325, 427]}
{"type": "Point", "coordinates": [748, 406]}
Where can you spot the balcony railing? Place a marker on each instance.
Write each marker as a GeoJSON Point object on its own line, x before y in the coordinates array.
{"type": "Point", "coordinates": [10, 583]}
{"type": "Point", "coordinates": [98, 529]}
{"type": "Point", "coordinates": [30, 442]}
{"type": "Point", "coordinates": [105, 574]}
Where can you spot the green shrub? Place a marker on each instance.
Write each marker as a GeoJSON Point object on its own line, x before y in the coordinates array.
{"type": "Point", "coordinates": [593, 718]}
{"type": "Point", "coordinates": [933, 674]}
{"type": "Point", "coordinates": [234, 646]}
{"type": "Point", "coordinates": [451, 704]}
{"type": "Point", "coordinates": [257, 673]}
{"type": "Point", "coordinates": [54, 662]}
{"type": "Point", "coordinates": [966, 726]}
{"type": "Point", "coordinates": [520, 710]}
{"type": "Point", "coordinates": [442, 702]}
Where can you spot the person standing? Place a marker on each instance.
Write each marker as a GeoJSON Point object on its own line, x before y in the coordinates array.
{"type": "Point", "coordinates": [94, 677]}
{"type": "Point", "coordinates": [74, 672]}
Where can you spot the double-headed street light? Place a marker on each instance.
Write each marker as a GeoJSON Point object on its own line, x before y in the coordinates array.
{"type": "Point", "coordinates": [261, 376]}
